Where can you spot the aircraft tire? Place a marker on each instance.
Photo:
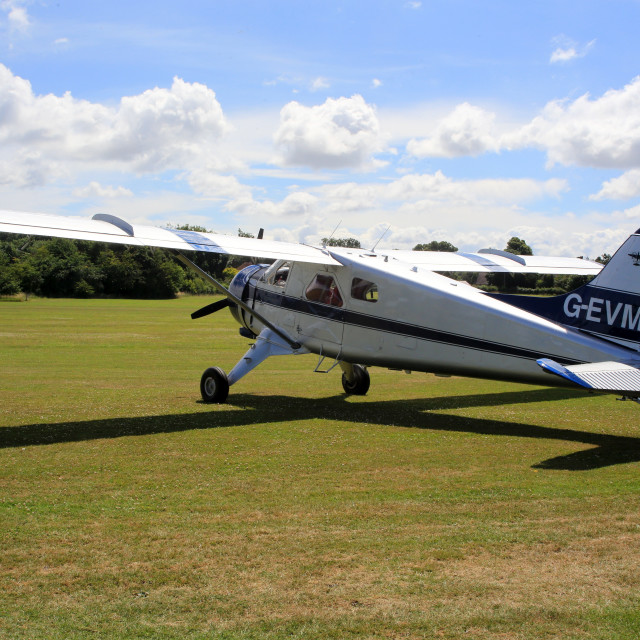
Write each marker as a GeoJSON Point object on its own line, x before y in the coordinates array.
{"type": "Point", "coordinates": [214, 386]}
{"type": "Point", "coordinates": [360, 384]}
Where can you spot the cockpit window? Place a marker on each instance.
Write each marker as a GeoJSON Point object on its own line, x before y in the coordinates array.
{"type": "Point", "coordinates": [364, 290]}
{"type": "Point", "coordinates": [323, 288]}
{"type": "Point", "coordinates": [278, 273]}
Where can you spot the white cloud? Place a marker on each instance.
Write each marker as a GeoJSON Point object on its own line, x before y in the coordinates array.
{"type": "Point", "coordinates": [410, 202]}
{"type": "Point", "coordinates": [633, 213]}
{"type": "Point", "coordinates": [437, 188]}
{"type": "Point", "coordinates": [213, 185]}
{"type": "Point", "coordinates": [296, 205]}
{"type": "Point", "coordinates": [568, 50]}
{"type": "Point", "coordinates": [413, 4]}
{"type": "Point", "coordinates": [467, 130]}
{"type": "Point", "coordinates": [574, 242]}
{"type": "Point", "coordinates": [622, 188]}
{"type": "Point", "coordinates": [160, 129]}
{"type": "Point", "coordinates": [320, 83]}
{"type": "Point", "coordinates": [27, 169]}
{"type": "Point", "coordinates": [563, 55]}
{"type": "Point", "coordinates": [50, 144]}
{"type": "Point", "coordinates": [375, 83]}
{"type": "Point", "coordinates": [342, 133]}
{"type": "Point", "coordinates": [16, 14]}
{"type": "Point", "coordinates": [545, 237]}
{"type": "Point", "coordinates": [96, 190]}
{"type": "Point", "coordinates": [602, 132]}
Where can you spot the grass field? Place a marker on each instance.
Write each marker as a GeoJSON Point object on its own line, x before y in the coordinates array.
{"type": "Point", "coordinates": [431, 508]}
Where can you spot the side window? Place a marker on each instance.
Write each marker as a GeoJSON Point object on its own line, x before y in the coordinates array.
{"type": "Point", "coordinates": [278, 273]}
{"type": "Point", "coordinates": [323, 288]}
{"type": "Point", "coordinates": [364, 290]}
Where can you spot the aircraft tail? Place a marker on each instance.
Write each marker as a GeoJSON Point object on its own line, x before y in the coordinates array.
{"type": "Point", "coordinates": [622, 272]}
{"type": "Point", "coordinates": [607, 307]}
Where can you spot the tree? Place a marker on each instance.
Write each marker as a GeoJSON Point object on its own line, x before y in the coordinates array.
{"type": "Point", "coordinates": [9, 282]}
{"type": "Point", "coordinates": [436, 245]}
{"type": "Point", "coordinates": [510, 281]}
{"type": "Point", "coordinates": [349, 243]}
{"type": "Point", "coordinates": [71, 268]}
{"type": "Point", "coordinates": [196, 228]}
{"type": "Point", "coordinates": [9, 279]}
{"type": "Point", "coordinates": [519, 247]}
{"type": "Point", "coordinates": [62, 265]}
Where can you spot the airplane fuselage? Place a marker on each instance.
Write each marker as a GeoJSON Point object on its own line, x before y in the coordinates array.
{"type": "Point", "coordinates": [380, 313]}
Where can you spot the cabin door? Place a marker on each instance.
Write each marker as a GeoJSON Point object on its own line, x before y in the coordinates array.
{"type": "Point", "coordinates": [321, 311]}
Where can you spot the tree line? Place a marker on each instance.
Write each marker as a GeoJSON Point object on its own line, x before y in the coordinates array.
{"type": "Point", "coordinates": [57, 267]}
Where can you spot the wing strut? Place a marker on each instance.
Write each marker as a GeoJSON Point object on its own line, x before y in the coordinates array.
{"type": "Point", "coordinates": [245, 307]}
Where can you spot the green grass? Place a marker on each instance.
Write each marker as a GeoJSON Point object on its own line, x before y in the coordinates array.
{"type": "Point", "coordinates": [431, 508]}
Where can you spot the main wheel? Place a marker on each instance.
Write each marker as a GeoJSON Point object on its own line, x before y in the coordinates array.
{"type": "Point", "coordinates": [214, 385]}
{"type": "Point", "coordinates": [360, 383]}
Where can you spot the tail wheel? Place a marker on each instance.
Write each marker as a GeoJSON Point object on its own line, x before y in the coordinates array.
{"type": "Point", "coordinates": [214, 385]}
{"type": "Point", "coordinates": [360, 383]}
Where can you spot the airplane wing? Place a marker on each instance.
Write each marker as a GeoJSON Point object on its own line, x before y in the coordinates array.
{"type": "Point", "coordinates": [108, 228]}
{"type": "Point", "coordinates": [613, 377]}
{"type": "Point", "coordinates": [494, 261]}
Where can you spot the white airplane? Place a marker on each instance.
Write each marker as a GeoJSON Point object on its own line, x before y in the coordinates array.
{"type": "Point", "coordinates": [357, 309]}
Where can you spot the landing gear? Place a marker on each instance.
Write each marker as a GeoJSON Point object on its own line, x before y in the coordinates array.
{"type": "Point", "coordinates": [214, 385]}
{"type": "Point", "coordinates": [355, 382]}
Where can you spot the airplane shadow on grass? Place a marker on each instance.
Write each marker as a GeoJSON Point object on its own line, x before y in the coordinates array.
{"type": "Point", "coordinates": [605, 450]}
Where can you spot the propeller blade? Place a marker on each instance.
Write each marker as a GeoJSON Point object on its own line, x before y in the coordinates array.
{"type": "Point", "coordinates": [238, 302]}
{"type": "Point", "coordinates": [211, 308]}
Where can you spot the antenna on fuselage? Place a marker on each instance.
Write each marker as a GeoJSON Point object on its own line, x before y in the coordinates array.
{"type": "Point", "coordinates": [324, 244]}
{"type": "Point", "coordinates": [380, 238]}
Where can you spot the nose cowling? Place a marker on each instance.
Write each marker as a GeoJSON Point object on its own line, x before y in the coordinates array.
{"type": "Point", "coordinates": [242, 287]}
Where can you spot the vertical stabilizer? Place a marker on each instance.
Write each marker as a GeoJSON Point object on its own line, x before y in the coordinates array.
{"type": "Point", "coordinates": [622, 273]}
{"type": "Point", "coordinates": [607, 307]}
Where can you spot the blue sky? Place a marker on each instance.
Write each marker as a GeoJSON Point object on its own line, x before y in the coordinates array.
{"type": "Point", "coordinates": [459, 120]}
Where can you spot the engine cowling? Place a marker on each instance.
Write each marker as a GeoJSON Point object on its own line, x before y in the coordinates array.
{"type": "Point", "coordinates": [243, 286]}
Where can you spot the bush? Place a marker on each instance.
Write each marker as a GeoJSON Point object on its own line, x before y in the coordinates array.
{"type": "Point", "coordinates": [83, 290]}
{"type": "Point", "coordinates": [228, 274]}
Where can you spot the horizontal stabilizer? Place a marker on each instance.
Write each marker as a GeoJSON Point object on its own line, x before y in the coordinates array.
{"type": "Point", "coordinates": [614, 377]}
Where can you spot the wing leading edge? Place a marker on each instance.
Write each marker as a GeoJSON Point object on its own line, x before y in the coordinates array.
{"type": "Point", "coordinates": [106, 228]}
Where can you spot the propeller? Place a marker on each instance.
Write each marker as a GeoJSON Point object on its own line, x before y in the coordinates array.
{"type": "Point", "coordinates": [212, 308]}
{"type": "Point", "coordinates": [234, 300]}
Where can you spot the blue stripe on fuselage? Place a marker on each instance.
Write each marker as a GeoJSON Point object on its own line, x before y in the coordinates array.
{"type": "Point", "coordinates": [355, 318]}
